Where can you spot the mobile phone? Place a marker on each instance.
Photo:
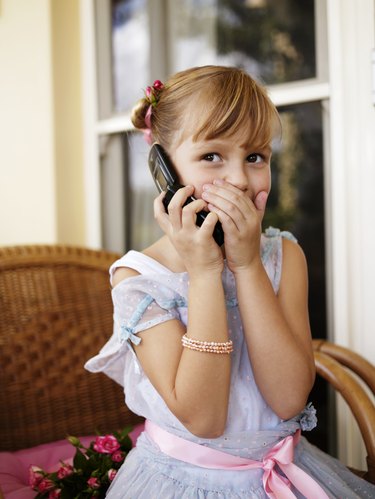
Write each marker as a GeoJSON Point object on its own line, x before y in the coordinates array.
{"type": "Point", "coordinates": [166, 180]}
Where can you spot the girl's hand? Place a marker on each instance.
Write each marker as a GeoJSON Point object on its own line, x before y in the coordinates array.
{"type": "Point", "coordinates": [241, 219]}
{"type": "Point", "coordinates": [195, 245]}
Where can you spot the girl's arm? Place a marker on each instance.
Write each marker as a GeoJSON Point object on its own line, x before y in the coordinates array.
{"type": "Point", "coordinates": [194, 385]}
{"type": "Point", "coordinates": [276, 327]}
{"type": "Point", "coordinates": [277, 331]}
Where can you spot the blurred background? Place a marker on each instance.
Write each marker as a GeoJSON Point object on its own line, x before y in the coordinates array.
{"type": "Point", "coordinates": [72, 170]}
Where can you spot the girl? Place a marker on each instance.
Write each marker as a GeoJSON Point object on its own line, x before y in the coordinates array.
{"type": "Point", "coordinates": [212, 344]}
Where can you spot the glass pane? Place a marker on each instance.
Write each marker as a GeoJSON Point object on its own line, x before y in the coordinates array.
{"type": "Point", "coordinates": [113, 180]}
{"type": "Point", "coordinates": [128, 193]}
{"type": "Point", "coordinates": [143, 228]}
{"type": "Point", "coordinates": [192, 25]}
{"type": "Point", "coordinates": [130, 52]}
{"type": "Point", "coordinates": [274, 40]}
{"type": "Point", "coordinates": [296, 203]}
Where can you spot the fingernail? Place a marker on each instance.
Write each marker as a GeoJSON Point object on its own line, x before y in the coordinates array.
{"type": "Point", "coordinates": [218, 181]}
{"type": "Point", "coordinates": [206, 187]}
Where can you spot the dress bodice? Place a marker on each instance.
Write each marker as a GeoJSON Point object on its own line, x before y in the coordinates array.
{"type": "Point", "coordinates": [157, 295]}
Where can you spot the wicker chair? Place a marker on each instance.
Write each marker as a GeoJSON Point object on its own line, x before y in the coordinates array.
{"type": "Point", "coordinates": [336, 364]}
{"type": "Point", "coordinates": [56, 312]}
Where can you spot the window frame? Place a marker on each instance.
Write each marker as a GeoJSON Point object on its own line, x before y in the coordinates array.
{"type": "Point", "coordinates": [349, 128]}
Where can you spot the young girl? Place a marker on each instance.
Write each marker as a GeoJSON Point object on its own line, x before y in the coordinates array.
{"type": "Point", "coordinates": [212, 344]}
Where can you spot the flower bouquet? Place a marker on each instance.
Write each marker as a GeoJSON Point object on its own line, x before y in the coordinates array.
{"type": "Point", "coordinates": [90, 472]}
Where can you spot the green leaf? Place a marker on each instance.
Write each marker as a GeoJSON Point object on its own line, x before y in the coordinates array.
{"type": "Point", "coordinates": [80, 460]}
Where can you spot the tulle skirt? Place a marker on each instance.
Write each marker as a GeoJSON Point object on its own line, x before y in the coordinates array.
{"type": "Point", "coordinates": [149, 474]}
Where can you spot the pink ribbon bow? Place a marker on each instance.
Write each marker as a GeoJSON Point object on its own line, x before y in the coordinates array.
{"type": "Point", "coordinates": [275, 485]}
{"type": "Point", "coordinates": [147, 134]}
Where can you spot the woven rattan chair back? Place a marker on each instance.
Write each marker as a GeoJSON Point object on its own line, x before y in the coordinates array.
{"type": "Point", "coordinates": [56, 312]}
{"type": "Point", "coordinates": [336, 364]}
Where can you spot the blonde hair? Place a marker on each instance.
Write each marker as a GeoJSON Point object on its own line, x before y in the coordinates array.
{"type": "Point", "coordinates": [208, 102]}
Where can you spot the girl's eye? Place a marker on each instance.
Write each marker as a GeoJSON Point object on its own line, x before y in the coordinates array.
{"type": "Point", "coordinates": [212, 157]}
{"type": "Point", "coordinates": [255, 158]}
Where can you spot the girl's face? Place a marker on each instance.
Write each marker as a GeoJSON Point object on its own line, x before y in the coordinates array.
{"type": "Point", "coordinates": [232, 159]}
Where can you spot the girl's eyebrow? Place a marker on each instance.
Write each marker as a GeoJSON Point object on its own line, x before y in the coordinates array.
{"type": "Point", "coordinates": [211, 145]}
{"type": "Point", "coordinates": [266, 148]}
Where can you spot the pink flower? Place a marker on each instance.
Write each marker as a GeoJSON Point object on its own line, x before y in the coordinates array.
{"type": "Point", "coordinates": [158, 85]}
{"type": "Point", "coordinates": [45, 485]}
{"type": "Point", "coordinates": [117, 456]}
{"type": "Point", "coordinates": [148, 92]}
{"type": "Point", "coordinates": [64, 470]}
{"type": "Point", "coordinates": [93, 483]}
{"type": "Point", "coordinates": [35, 476]}
{"type": "Point", "coordinates": [111, 474]}
{"type": "Point", "coordinates": [106, 445]}
{"type": "Point", "coordinates": [54, 494]}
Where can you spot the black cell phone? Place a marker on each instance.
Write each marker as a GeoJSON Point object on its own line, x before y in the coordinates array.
{"type": "Point", "coordinates": [166, 180]}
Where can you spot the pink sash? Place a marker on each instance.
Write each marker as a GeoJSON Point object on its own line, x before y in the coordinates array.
{"type": "Point", "coordinates": [275, 485]}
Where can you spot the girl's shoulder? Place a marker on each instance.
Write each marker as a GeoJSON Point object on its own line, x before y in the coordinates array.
{"type": "Point", "coordinates": [275, 245]}
{"type": "Point", "coordinates": [133, 263]}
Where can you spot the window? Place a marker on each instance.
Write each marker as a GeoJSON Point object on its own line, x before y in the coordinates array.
{"type": "Point", "coordinates": [290, 53]}
{"type": "Point", "coordinates": [273, 41]}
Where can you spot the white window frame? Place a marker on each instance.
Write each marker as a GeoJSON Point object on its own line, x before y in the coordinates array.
{"type": "Point", "coordinates": [349, 115]}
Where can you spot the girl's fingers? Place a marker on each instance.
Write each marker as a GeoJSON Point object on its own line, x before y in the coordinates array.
{"type": "Point", "coordinates": [178, 215]}
{"type": "Point", "coordinates": [234, 207]}
{"type": "Point", "coordinates": [260, 202]}
{"type": "Point", "coordinates": [159, 212]}
{"type": "Point", "coordinates": [227, 221]}
{"type": "Point", "coordinates": [189, 212]}
{"type": "Point", "coordinates": [176, 204]}
{"type": "Point", "coordinates": [207, 228]}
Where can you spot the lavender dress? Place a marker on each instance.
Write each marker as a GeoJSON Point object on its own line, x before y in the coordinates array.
{"type": "Point", "coordinates": [159, 295]}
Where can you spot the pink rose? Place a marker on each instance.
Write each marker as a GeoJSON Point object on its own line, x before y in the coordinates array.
{"type": "Point", "coordinates": [158, 85]}
{"type": "Point", "coordinates": [106, 445]}
{"type": "Point", "coordinates": [64, 470]}
{"type": "Point", "coordinates": [45, 485]}
{"type": "Point", "coordinates": [117, 456]}
{"type": "Point", "coordinates": [93, 483]}
{"type": "Point", "coordinates": [148, 92]}
{"type": "Point", "coordinates": [54, 494]}
{"type": "Point", "coordinates": [111, 474]}
{"type": "Point", "coordinates": [35, 476]}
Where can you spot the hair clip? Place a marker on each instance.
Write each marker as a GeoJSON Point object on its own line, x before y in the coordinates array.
{"type": "Point", "coordinates": [153, 92]}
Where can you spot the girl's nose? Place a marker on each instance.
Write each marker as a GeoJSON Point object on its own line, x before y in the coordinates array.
{"type": "Point", "coordinates": [238, 178]}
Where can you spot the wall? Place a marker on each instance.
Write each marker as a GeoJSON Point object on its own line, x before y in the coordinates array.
{"type": "Point", "coordinates": [41, 173]}
{"type": "Point", "coordinates": [351, 39]}
{"type": "Point", "coordinates": [68, 121]}
{"type": "Point", "coordinates": [27, 177]}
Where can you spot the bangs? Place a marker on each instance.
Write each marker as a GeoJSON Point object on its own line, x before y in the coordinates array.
{"type": "Point", "coordinates": [235, 105]}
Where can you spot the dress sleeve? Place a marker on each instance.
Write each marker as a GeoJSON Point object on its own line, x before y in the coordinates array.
{"type": "Point", "coordinates": [139, 303]}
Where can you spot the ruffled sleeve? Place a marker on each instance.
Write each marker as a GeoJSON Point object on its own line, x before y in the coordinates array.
{"type": "Point", "coordinates": [143, 302]}
{"type": "Point", "coordinates": [139, 303]}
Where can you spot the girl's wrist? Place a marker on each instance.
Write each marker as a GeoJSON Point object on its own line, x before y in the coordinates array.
{"type": "Point", "coordinates": [249, 270]}
{"type": "Point", "coordinates": [205, 274]}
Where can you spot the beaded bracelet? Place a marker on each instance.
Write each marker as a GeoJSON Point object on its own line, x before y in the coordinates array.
{"type": "Point", "coordinates": [207, 346]}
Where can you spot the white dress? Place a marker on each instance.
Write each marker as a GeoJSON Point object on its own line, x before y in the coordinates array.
{"type": "Point", "coordinates": [158, 295]}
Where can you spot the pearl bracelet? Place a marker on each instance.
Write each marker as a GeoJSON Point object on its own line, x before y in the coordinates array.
{"type": "Point", "coordinates": [207, 346]}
